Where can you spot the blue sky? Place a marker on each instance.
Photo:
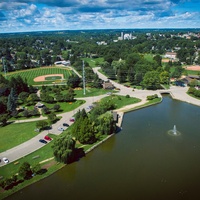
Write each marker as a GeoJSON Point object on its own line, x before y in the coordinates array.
{"type": "Point", "coordinates": [40, 15]}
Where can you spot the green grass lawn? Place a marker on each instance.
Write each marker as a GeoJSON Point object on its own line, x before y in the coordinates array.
{"type": "Point", "coordinates": [121, 101]}
{"type": "Point", "coordinates": [94, 62]}
{"type": "Point", "coordinates": [66, 106]}
{"type": "Point", "coordinates": [33, 73]}
{"type": "Point", "coordinates": [89, 92]}
{"type": "Point", "coordinates": [191, 72]}
{"type": "Point", "coordinates": [38, 156]}
{"type": "Point", "coordinates": [15, 134]}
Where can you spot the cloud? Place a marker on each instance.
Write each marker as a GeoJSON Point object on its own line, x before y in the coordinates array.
{"type": "Point", "coordinates": [2, 16]}
{"type": "Point", "coordinates": [83, 14]}
{"type": "Point", "coordinates": [28, 11]}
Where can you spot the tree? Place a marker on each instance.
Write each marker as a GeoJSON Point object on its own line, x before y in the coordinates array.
{"type": "Point", "coordinates": [193, 83]}
{"type": "Point", "coordinates": [151, 80]}
{"type": "Point", "coordinates": [56, 107]}
{"type": "Point", "coordinates": [84, 131]}
{"type": "Point", "coordinates": [69, 96]}
{"type": "Point", "coordinates": [32, 98]}
{"type": "Point", "coordinates": [46, 98]}
{"type": "Point", "coordinates": [63, 148]}
{"type": "Point", "coordinates": [45, 110]}
{"type": "Point", "coordinates": [158, 60]}
{"type": "Point", "coordinates": [41, 124]}
{"type": "Point", "coordinates": [23, 96]}
{"type": "Point", "coordinates": [25, 170]}
{"type": "Point", "coordinates": [36, 168]}
{"type": "Point", "coordinates": [106, 124]}
{"type": "Point", "coordinates": [3, 119]}
{"type": "Point", "coordinates": [164, 77]}
{"type": "Point", "coordinates": [52, 117]}
{"type": "Point", "coordinates": [12, 98]}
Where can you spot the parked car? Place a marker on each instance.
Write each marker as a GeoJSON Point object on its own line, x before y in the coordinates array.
{"type": "Point", "coordinates": [65, 124]}
{"type": "Point", "coordinates": [72, 119]}
{"type": "Point", "coordinates": [5, 160]}
{"type": "Point", "coordinates": [60, 129]}
{"type": "Point", "coordinates": [46, 137]}
{"type": "Point", "coordinates": [42, 141]}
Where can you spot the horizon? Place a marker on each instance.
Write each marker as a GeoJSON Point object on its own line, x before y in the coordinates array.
{"type": "Point", "coordinates": [106, 29]}
{"type": "Point", "coordinates": [58, 15]}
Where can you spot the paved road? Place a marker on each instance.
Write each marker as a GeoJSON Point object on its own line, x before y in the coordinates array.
{"type": "Point", "coordinates": [33, 144]}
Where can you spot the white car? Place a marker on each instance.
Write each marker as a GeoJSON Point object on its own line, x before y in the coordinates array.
{"type": "Point", "coordinates": [60, 129]}
{"type": "Point", "coordinates": [5, 160]}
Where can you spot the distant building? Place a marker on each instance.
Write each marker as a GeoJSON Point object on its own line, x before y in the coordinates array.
{"type": "Point", "coordinates": [108, 85]}
{"type": "Point", "coordinates": [102, 43]}
{"type": "Point", "coordinates": [39, 105]}
{"type": "Point", "coordinates": [171, 55]}
{"type": "Point", "coordinates": [126, 36]}
{"type": "Point", "coordinates": [66, 63]}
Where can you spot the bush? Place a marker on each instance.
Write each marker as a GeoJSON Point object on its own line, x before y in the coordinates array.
{"type": "Point", "coordinates": [25, 171]}
{"type": "Point", "coordinates": [152, 97]}
{"type": "Point", "coordinates": [127, 96]}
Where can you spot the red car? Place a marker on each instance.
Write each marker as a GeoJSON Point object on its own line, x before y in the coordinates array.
{"type": "Point", "coordinates": [72, 119]}
{"type": "Point", "coordinates": [47, 138]}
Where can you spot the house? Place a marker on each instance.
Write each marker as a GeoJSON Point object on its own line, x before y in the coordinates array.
{"type": "Point", "coordinates": [63, 62]}
{"type": "Point", "coordinates": [187, 80]}
{"type": "Point", "coordinates": [39, 105]}
{"type": "Point", "coordinates": [107, 85]}
{"type": "Point", "coordinates": [171, 55]}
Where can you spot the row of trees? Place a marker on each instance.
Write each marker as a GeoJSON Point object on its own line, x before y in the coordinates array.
{"type": "Point", "coordinates": [87, 129]}
{"type": "Point", "coordinates": [25, 172]}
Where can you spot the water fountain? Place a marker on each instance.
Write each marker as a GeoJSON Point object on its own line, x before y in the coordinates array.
{"type": "Point", "coordinates": [174, 132]}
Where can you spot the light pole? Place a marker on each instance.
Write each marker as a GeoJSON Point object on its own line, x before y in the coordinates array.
{"type": "Point", "coordinates": [83, 78]}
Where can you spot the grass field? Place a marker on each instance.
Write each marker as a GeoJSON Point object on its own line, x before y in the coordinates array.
{"type": "Point", "coordinates": [93, 62]}
{"type": "Point", "coordinates": [15, 134]}
{"type": "Point", "coordinates": [33, 73]}
{"type": "Point", "coordinates": [121, 101]}
{"type": "Point", "coordinates": [191, 72]}
{"type": "Point", "coordinates": [89, 92]}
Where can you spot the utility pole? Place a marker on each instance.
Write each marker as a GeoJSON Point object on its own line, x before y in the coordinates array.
{"type": "Point", "coordinates": [83, 78]}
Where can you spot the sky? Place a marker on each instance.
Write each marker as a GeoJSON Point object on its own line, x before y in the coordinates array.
{"type": "Point", "coordinates": [46, 15]}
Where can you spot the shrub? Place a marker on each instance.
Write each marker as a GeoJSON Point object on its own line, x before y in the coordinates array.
{"type": "Point", "coordinates": [152, 97]}
{"type": "Point", "coordinates": [127, 96]}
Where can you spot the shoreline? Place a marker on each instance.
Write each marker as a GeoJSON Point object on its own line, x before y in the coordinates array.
{"type": "Point", "coordinates": [121, 112]}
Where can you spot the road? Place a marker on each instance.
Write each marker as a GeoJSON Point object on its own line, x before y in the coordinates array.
{"type": "Point", "coordinates": [33, 144]}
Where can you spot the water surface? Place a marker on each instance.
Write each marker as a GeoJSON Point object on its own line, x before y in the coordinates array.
{"type": "Point", "coordinates": [141, 162]}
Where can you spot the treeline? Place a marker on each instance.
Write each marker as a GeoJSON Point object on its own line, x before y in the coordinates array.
{"type": "Point", "coordinates": [17, 99]}
{"type": "Point", "coordinates": [88, 128]}
{"type": "Point", "coordinates": [137, 70]}
{"type": "Point", "coordinates": [33, 50]}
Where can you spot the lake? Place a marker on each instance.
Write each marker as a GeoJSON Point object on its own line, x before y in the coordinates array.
{"type": "Point", "coordinates": [143, 161]}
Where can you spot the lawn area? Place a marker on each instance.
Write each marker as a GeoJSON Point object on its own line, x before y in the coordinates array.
{"type": "Point", "coordinates": [33, 73]}
{"type": "Point", "coordinates": [94, 62]}
{"type": "Point", "coordinates": [33, 158]}
{"type": "Point", "coordinates": [43, 154]}
{"type": "Point", "coordinates": [191, 72]}
{"type": "Point", "coordinates": [121, 101]}
{"type": "Point", "coordinates": [89, 92]}
{"type": "Point", "coordinates": [66, 106]}
{"type": "Point", "coordinates": [15, 134]}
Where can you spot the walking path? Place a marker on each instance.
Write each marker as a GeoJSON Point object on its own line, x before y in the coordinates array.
{"type": "Point", "coordinates": [33, 144]}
